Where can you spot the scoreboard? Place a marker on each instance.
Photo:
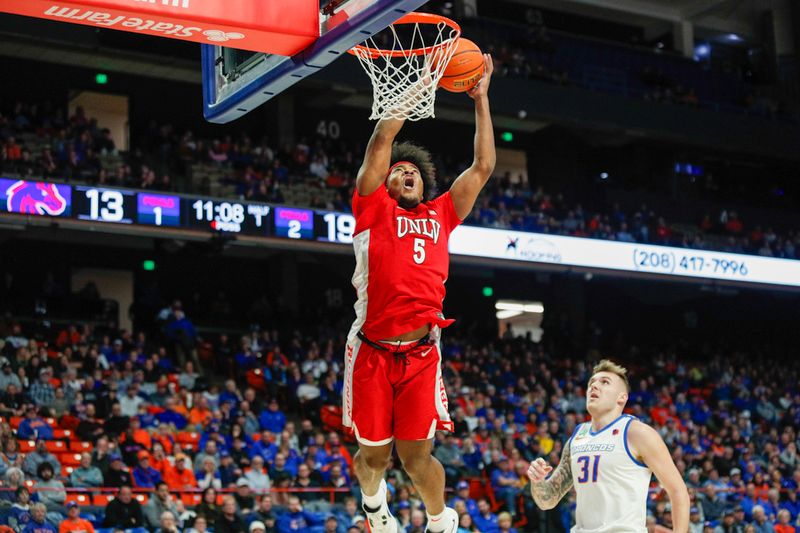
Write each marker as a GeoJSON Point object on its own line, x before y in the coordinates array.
{"type": "Point", "coordinates": [116, 206]}
{"type": "Point", "coordinates": [127, 206]}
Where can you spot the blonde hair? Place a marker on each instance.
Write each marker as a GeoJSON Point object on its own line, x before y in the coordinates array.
{"type": "Point", "coordinates": [607, 365]}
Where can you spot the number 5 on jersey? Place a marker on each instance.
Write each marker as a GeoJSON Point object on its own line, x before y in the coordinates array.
{"type": "Point", "coordinates": [419, 251]}
{"type": "Point", "coordinates": [584, 460]}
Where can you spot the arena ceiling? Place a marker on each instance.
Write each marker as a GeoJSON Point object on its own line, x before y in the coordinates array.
{"type": "Point", "coordinates": [729, 16]}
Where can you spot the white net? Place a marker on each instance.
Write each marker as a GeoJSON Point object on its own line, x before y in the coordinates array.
{"type": "Point", "coordinates": [405, 75]}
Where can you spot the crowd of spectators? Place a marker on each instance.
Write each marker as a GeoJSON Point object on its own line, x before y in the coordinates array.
{"type": "Point", "coordinates": [262, 448]}
{"type": "Point", "coordinates": [508, 202]}
{"type": "Point", "coordinates": [73, 147]}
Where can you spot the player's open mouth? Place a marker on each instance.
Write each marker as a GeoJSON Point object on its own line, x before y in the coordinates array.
{"type": "Point", "coordinates": [593, 396]}
{"type": "Point", "coordinates": [408, 183]}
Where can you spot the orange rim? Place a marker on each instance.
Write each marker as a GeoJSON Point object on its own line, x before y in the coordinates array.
{"type": "Point", "coordinates": [412, 18]}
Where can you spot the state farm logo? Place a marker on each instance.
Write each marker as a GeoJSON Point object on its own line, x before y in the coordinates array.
{"type": "Point", "coordinates": [219, 36]}
{"type": "Point", "coordinates": [166, 29]}
{"type": "Point", "coordinates": [533, 249]}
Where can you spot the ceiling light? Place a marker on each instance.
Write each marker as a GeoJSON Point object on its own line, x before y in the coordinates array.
{"type": "Point", "coordinates": [502, 315]}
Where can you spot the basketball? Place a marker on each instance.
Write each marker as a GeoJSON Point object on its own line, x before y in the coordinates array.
{"type": "Point", "coordinates": [465, 68]}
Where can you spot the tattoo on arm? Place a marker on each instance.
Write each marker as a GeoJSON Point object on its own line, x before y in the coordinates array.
{"type": "Point", "coordinates": [549, 492]}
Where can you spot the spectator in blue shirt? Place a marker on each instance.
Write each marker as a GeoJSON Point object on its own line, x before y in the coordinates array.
{"type": "Point", "coordinates": [296, 519]}
{"type": "Point", "coordinates": [750, 501]}
{"type": "Point", "coordinates": [505, 484]}
{"type": "Point", "coordinates": [38, 524]}
{"type": "Point", "coordinates": [171, 416]}
{"type": "Point", "coordinates": [20, 513]}
{"type": "Point", "coordinates": [214, 434]}
{"type": "Point", "coordinates": [230, 394]}
{"type": "Point", "coordinates": [471, 455]}
{"type": "Point", "coordinates": [760, 521]}
{"type": "Point", "coordinates": [266, 446]}
{"type": "Point", "coordinates": [229, 471]}
{"type": "Point", "coordinates": [272, 418]}
{"type": "Point", "coordinates": [485, 520]}
{"type": "Point", "coordinates": [34, 426]}
{"type": "Point", "coordinates": [144, 475]}
{"type": "Point", "coordinates": [181, 330]}
{"type": "Point", "coordinates": [791, 504]}
{"type": "Point", "coordinates": [462, 494]}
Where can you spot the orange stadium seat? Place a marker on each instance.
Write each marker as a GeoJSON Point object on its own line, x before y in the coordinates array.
{"type": "Point", "coordinates": [56, 446]}
{"type": "Point", "coordinates": [66, 470]}
{"type": "Point", "coordinates": [80, 499]}
{"type": "Point", "coordinates": [191, 498]}
{"type": "Point", "coordinates": [142, 498]}
{"type": "Point", "coordinates": [52, 422]}
{"type": "Point", "coordinates": [80, 446]}
{"type": "Point", "coordinates": [26, 446]}
{"type": "Point", "coordinates": [15, 421]}
{"type": "Point", "coordinates": [477, 489]}
{"type": "Point", "coordinates": [70, 459]}
{"type": "Point", "coordinates": [62, 433]}
{"type": "Point", "coordinates": [102, 500]}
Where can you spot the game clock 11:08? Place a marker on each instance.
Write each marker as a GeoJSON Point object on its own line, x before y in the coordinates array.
{"type": "Point", "coordinates": [227, 216]}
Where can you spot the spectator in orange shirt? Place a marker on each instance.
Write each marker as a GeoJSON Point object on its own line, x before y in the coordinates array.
{"type": "Point", "coordinates": [68, 337]}
{"type": "Point", "coordinates": [158, 459]}
{"type": "Point", "coordinates": [783, 525]}
{"type": "Point", "coordinates": [74, 523]}
{"type": "Point", "coordinates": [200, 415]}
{"type": "Point", "coordinates": [179, 477]}
{"type": "Point", "coordinates": [13, 150]}
{"type": "Point", "coordinates": [165, 438]}
{"type": "Point", "coordinates": [734, 225]}
{"type": "Point", "coordinates": [142, 436]}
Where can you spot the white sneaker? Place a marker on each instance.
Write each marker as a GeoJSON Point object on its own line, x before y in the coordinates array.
{"type": "Point", "coordinates": [380, 520]}
{"type": "Point", "coordinates": [447, 524]}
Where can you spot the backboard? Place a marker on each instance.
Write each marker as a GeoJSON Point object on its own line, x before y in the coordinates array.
{"type": "Point", "coordinates": [237, 81]}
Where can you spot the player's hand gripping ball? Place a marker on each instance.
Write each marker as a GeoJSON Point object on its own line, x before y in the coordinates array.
{"type": "Point", "coordinates": [464, 69]}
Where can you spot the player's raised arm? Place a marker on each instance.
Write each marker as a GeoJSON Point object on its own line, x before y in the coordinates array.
{"type": "Point", "coordinates": [548, 492]}
{"type": "Point", "coordinates": [372, 173]}
{"type": "Point", "coordinates": [649, 446]}
{"type": "Point", "coordinates": [468, 185]}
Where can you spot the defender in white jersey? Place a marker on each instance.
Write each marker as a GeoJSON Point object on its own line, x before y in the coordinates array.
{"type": "Point", "coordinates": [609, 461]}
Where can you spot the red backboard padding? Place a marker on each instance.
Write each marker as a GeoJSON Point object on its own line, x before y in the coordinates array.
{"type": "Point", "coordinates": [275, 26]}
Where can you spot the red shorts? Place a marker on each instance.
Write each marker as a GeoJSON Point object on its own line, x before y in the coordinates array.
{"type": "Point", "coordinates": [386, 398]}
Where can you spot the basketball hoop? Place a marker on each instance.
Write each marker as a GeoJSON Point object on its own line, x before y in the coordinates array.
{"type": "Point", "coordinates": [405, 76]}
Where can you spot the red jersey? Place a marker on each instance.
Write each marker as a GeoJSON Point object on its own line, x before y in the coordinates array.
{"type": "Point", "coordinates": [402, 263]}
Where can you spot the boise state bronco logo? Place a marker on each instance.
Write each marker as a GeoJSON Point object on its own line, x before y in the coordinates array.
{"type": "Point", "coordinates": [35, 198]}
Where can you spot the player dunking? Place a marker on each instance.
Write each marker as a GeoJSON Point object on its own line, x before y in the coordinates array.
{"type": "Point", "coordinates": [393, 392]}
{"type": "Point", "coordinates": [609, 461]}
